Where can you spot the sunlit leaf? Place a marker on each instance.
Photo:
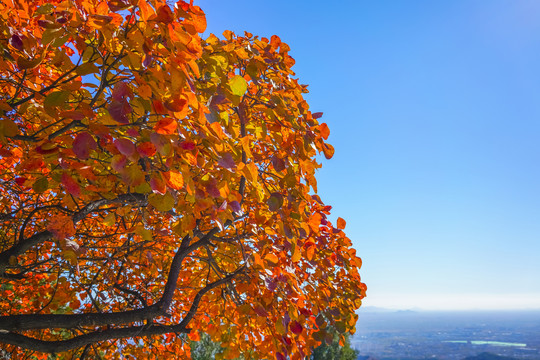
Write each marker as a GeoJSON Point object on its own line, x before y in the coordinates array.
{"type": "Point", "coordinates": [238, 85]}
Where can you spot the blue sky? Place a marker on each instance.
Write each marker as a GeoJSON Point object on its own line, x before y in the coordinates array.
{"type": "Point", "coordinates": [434, 111]}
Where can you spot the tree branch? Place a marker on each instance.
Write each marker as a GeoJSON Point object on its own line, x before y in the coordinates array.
{"type": "Point", "coordinates": [160, 308]}
{"type": "Point", "coordinates": [109, 334]}
{"type": "Point", "coordinates": [29, 343]}
{"type": "Point", "coordinates": [26, 243]}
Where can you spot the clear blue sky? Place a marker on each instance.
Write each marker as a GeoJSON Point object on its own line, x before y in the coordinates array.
{"type": "Point", "coordinates": [434, 111]}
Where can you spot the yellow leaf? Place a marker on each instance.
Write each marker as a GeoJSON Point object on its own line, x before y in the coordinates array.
{"type": "Point", "coordinates": [109, 220]}
{"type": "Point", "coordinates": [144, 233]}
{"type": "Point", "coordinates": [296, 254]}
{"type": "Point", "coordinates": [238, 85]}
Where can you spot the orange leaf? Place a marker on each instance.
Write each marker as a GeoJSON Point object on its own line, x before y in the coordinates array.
{"type": "Point", "coordinates": [315, 222]}
{"type": "Point", "coordinates": [166, 126]}
{"type": "Point", "coordinates": [328, 151]}
{"type": "Point", "coordinates": [146, 149]}
{"type": "Point", "coordinates": [61, 226]}
{"type": "Point", "coordinates": [165, 15]}
{"type": "Point", "coordinates": [341, 223]}
{"type": "Point", "coordinates": [272, 259]}
{"type": "Point", "coordinates": [324, 130]}
{"type": "Point", "coordinates": [174, 179]}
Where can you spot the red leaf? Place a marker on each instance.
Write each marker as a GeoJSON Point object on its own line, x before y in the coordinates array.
{"type": "Point", "coordinates": [46, 148]}
{"type": "Point", "coordinates": [125, 146]}
{"type": "Point", "coordinates": [278, 163]}
{"type": "Point", "coordinates": [213, 190]}
{"type": "Point", "coordinates": [118, 162]}
{"type": "Point", "coordinates": [71, 185]}
{"type": "Point", "coordinates": [20, 180]}
{"type": "Point", "coordinates": [295, 327]}
{"type": "Point", "coordinates": [260, 310]}
{"type": "Point", "coordinates": [158, 185]}
{"type": "Point", "coordinates": [187, 145]}
{"type": "Point", "coordinates": [146, 149]}
{"type": "Point", "coordinates": [317, 115]}
{"type": "Point", "coordinates": [48, 24]}
{"type": "Point", "coordinates": [121, 92]}
{"type": "Point", "coordinates": [147, 60]}
{"type": "Point", "coordinates": [236, 207]}
{"type": "Point", "coordinates": [119, 111]}
{"type": "Point", "coordinates": [16, 42]}
{"type": "Point", "coordinates": [227, 162]}
{"type": "Point", "coordinates": [83, 143]}
{"type": "Point", "coordinates": [159, 107]}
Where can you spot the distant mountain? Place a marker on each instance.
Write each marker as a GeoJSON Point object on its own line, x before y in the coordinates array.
{"type": "Point", "coordinates": [482, 356]}
{"type": "Point", "coordinates": [365, 358]}
{"type": "Point", "coordinates": [377, 310]}
{"type": "Point", "coordinates": [488, 356]}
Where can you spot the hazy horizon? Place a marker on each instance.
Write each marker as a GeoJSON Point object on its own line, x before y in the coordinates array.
{"type": "Point", "coordinates": [449, 302]}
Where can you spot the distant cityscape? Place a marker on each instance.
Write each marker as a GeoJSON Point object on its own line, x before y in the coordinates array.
{"type": "Point", "coordinates": [416, 335]}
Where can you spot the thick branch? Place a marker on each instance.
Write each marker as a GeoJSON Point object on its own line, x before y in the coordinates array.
{"type": "Point", "coordinates": [93, 337]}
{"type": "Point", "coordinates": [66, 321]}
{"type": "Point", "coordinates": [26, 243]}
{"type": "Point", "coordinates": [132, 331]}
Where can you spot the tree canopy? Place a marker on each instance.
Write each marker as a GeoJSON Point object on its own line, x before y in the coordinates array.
{"type": "Point", "coordinates": [156, 185]}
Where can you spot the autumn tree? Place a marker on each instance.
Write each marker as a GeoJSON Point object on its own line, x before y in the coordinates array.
{"type": "Point", "coordinates": [156, 186]}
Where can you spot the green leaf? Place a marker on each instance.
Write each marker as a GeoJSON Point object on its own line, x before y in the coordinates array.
{"type": "Point", "coordinates": [238, 85]}
{"type": "Point", "coordinates": [50, 35]}
{"type": "Point", "coordinates": [56, 98]}
{"type": "Point", "coordinates": [40, 185]}
{"type": "Point", "coordinates": [45, 9]}
{"type": "Point", "coordinates": [8, 128]}
{"type": "Point", "coordinates": [275, 202]}
{"type": "Point", "coordinates": [143, 188]}
{"type": "Point", "coordinates": [87, 68]}
{"type": "Point", "coordinates": [162, 203]}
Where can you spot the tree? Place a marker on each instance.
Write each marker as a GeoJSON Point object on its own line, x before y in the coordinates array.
{"type": "Point", "coordinates": [204, 349]}
{"type": "Point", "coordinates": [335, 349]}
{"type": "Point", "coordinates": [156, 184]}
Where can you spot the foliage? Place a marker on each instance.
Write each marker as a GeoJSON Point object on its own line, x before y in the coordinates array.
{"type": "Point", "coordinates": [204, 349]}
{"type": "Point", "coordinates": [334, 350]}
{"type": "Point", "coordinates": [155, 184]}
